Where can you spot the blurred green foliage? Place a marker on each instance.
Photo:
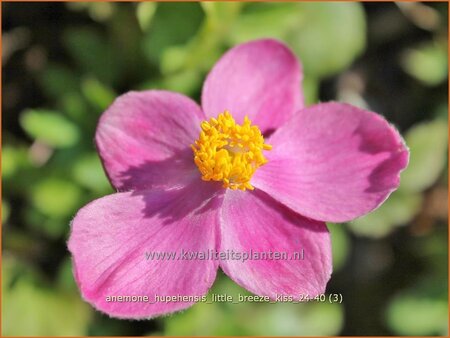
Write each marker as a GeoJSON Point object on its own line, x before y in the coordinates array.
{"type": "Point", "coordinates": [49, 127]}
{"type": "Point", "coordinates": [428, 62]}
{"type": "Point", "coordinates": [326, 36]}
{"type": "Point", "coordinates": [48, 311]}
{"type": "Point", "coordinates": [67, 62]}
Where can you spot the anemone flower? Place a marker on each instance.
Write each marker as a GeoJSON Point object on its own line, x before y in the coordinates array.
{"type": "Point", "coordinates": [250, 171]}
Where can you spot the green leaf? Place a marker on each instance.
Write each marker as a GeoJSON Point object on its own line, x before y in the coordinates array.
{"type": "Point", "coordinates": [274, 319]}
{"type": "Point", "coordinates": [185, 82]}
{"type": "Point", "coordinates": [201, 320]}
{"type": "Point", "coordinates": [93, 53]}
{"type": "Point", "coordinates": [329, 37]}
{"type": "Point", "coordinates": [433, 249]}
{"type": "Point", "coordinates": [221, 12]}
{"type": "Point", "coordinates": [191, 60]}
{"type": "Point", "coordinates": [5, 211]}
{"type": "Point", "coordinates": [268, 20]}
{"type": "Point", "coordinates": [101, 11]}
{"type": "Point", "coordinates": [56, 197]}
{"type": "Point", "coordinates": [310, 90]}
{"type": "Point", "coordinates": [400, 208]}
{"type": "Point", "coordinates": [427, 143]}
{"type": "Point", "coordinates": [32, 310]}
{"type": "Point", "coordinates": [145, 12]}
{"type": "Point", "coordinates": [211, 319]}
{"type": "Point", "coordinates": [173, 59]}
{"type": "Point", "coordinates": [97, 93]}
{"type": "Point", "coordinates": [341, 244]}
{"type": "Point", "coordinates": [88, 171]}
{"type": "Point", "coordinates": [65, 278]}
{"type": "Point", "coordinates": [13, 158]}
{"type": "Point", "coordinates": [173, 24]}
{"type": "Point", "coordinates": [287, 319]}
{"type": "Point", "coordinates": [74, 105]}
{"type": "Point", "coordinates": [411, 314]}
{"type": "Point", "coordinates": [49, 127]}
{"type": "Point", "coordinates": [9, 161]}
{"type": "Point", "coordinates": [51, 227]}
{"type": "Point", "coordinates": [56, 80]}
{"type": "Point", "coordinates": [98, 11]}
{"type": "Point", "coordinates": [427, 63]}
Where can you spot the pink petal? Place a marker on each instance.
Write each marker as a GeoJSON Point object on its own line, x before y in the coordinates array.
{"type": "Point", "coordinates": [333, 162]}
{"type": "Point", "coordinates": [144, 140]}
{"type": "Point", "coordinates": [110, 238]}
{"type": "Point", "coordinates": [261, 79]}
{"type": "Point", "coordinates": [254, 222]}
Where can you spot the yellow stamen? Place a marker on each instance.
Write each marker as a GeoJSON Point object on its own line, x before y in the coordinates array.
{"type": "Point", "coordinates": [229, 152]}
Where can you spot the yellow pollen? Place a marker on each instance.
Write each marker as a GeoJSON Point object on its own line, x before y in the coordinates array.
{"type": "Point", "coordinates": [229, 152]}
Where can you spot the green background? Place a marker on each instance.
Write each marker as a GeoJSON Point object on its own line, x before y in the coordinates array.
{"type": "Point", "coordinates": [63, 64]}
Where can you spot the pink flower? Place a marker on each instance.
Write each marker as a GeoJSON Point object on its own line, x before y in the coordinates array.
{"type": "Point", "coordinates": [186, 185]}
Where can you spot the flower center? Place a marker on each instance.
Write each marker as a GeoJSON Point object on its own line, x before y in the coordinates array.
{"type": "Point", "coordinates": [229, 152]}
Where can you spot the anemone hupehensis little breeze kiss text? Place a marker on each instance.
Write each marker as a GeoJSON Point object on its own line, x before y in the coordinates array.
{"type": "Point", "coordinates": [197, 179]}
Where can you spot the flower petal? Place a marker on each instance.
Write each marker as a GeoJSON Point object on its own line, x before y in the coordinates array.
{"type": "Point", "coordinates": [112, 237]}
{"type": "Point", "coordinates": [144, 140]}
{"type": "Point", "coordinates": [333, 162]}
{"type": "Point", "coordinates": [254, 222]}
{"type": "Point", "coordinates": [261, 79]}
